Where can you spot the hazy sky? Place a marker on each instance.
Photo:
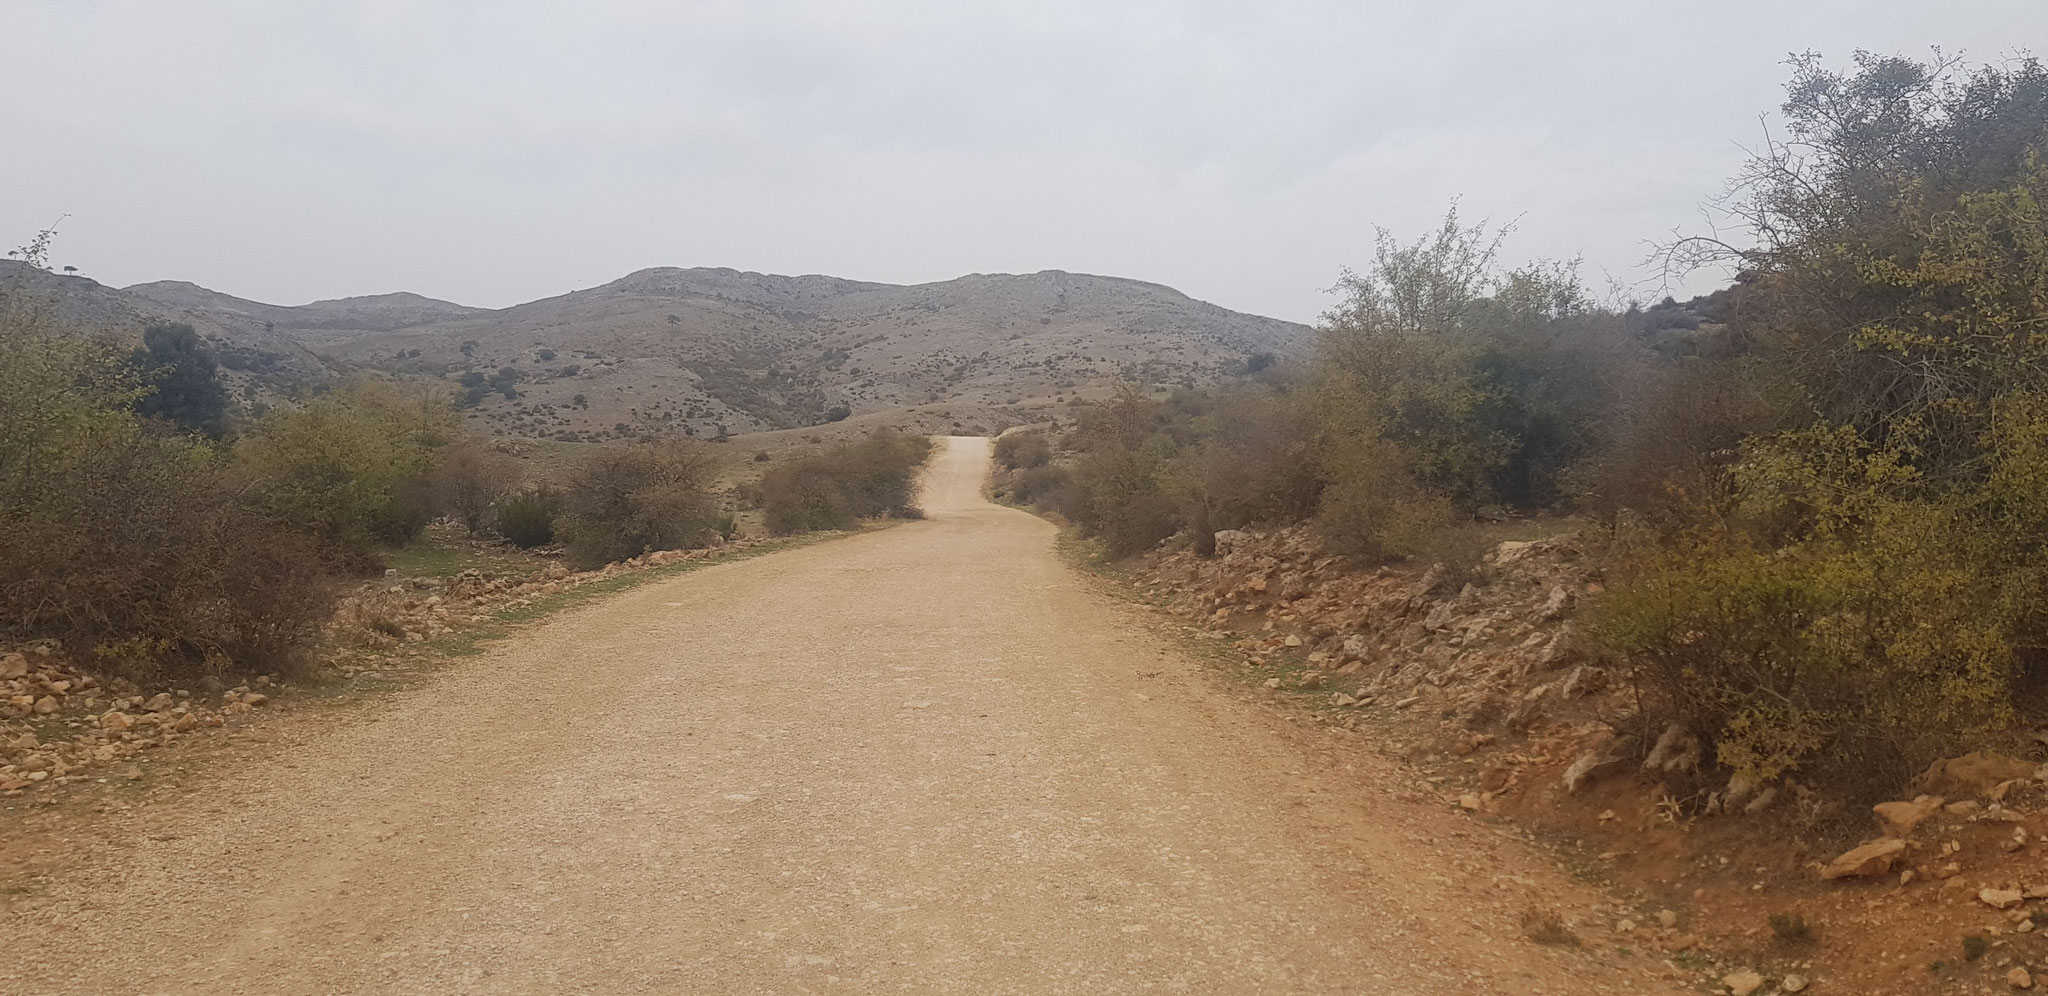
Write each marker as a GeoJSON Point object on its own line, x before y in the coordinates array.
{"type": "Point", "coordinates": [494, 152]}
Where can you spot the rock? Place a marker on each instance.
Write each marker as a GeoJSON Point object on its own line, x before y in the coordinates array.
{"type": "Point", "coordinates": [1897, 819]}
{"type": "Point", "coordinates": [1585, 680]}
{"type": "Point", "coordinates": [1229, 540]}
{"type": "Point", "coordinates": [1677, 752]}
{"type": "Point", "coordinates": [115, 721]}
{"type": "Point", "coordinates": [1512, 550]}
{"type": "Point", "coordinates": [255, 698]}
{"type": "Point", "coordinates": [1762, 801]}
{"type": "Point", "coordinates": [2001, 899]}
{"type": "Point", "coordinates": [1441, 616]}
{"type": "Point", "coordinates": [1743, 981]}
{"type": "Point", "coordinates": [1312, 679]}
{"type": "Point", "coordinates": [1563, 646]}
{"type": "Point", "coordinates": [46, 705]}
{"type": "Point", "coordinates": [1741, 788]}
{"type": "Point", "coordinates": [1793, 983]}
{"type": "Point", "coordinates": [1556, 605]}
{"type": "Point", "coordinates": [2019, 978]}
{"type": "Point", "coordinates": [1874, 858]}
{"type": "Point", "coordinates": [1589, 768]}
{"type": "Point", "coordinates": [1667, 919]}
{"type": "Point", "coordinates": [13, 666]}
{"type": "Point", "coordinates": [1272, 683]}
{"type": "Point", "coordinates": [1971, 774]}
{"type": "Point", "coordinates": [1292, 640]}
{"type": "Point", "coordinates": [160, 702]}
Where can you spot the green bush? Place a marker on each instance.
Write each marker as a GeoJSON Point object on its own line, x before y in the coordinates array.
{"type": "Point", "coordinates": [527, 518]}
{"type": "Point", "coordinates": [352, 467]}
{"type": "Point", "coordinates": [183, 379]}
{"type": "Point", "coordinates": [1860, 584]}
{"type": "Point", "coordinates": [631, 500]}
{"type": "Point", "coordinates": [837, 488]}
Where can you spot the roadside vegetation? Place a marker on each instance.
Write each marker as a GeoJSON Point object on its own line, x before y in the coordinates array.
{"type": "Point", "coordinates": [159, 537]}
{"type": "Point", "coordinates": [1824, 489]}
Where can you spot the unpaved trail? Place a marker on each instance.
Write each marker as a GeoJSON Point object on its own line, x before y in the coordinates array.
{"type": "Point", "coordinates": [925, 759]}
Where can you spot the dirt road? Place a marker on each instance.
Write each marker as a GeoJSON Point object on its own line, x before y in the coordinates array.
{"type": "Point", "coordinates": [926, 759]}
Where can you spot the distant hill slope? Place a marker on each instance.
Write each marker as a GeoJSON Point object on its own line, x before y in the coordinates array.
{"type": "Point", "coordinates": [377, 312]}
{"type": "Point", "coordinates": [708, 349]}
{"type": "Point", "coordinates": [260, 356]}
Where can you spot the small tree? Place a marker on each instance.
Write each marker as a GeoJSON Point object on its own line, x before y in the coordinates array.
{"type": "Point", "coordinates": [183, 379]}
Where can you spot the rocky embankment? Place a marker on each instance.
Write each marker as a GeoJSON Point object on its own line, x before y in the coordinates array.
{"type": "Point", "coordinates": [1483, 681]}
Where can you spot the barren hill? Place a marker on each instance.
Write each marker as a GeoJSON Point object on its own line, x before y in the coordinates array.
{"type": "Point", "coordinates": [711, 350]}
{"type": "Point", "coordinates": [706, 348]}
{"type": "Point", "coordinates": [376, 312]}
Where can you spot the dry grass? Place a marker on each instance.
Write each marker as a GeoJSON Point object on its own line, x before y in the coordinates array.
{"type": "Point", "coordinates": [1546, 927]}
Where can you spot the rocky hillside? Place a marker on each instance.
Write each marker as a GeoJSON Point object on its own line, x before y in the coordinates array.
{"type": "Point", "coordinates": [258, 354]}
{"type": "Point", "coordinates": [706, 348]}
{"type": "Point", "coordinates": [714, 350]}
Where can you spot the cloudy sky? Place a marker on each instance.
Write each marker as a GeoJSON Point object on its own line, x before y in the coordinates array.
{"type": "Point", "coordinates": [494, 152]}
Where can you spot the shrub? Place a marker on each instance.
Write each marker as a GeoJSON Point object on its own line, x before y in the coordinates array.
{"type": "Point", "coordinates": [1372, 507]}
{"type": "Point", "coordinates": [1023, 450]}
{"type": "Point", "coordinates": [471, 480]}
{"type": "Point", "coordinates": [1856, 661]}
{"type": "Point", "coordinates": [1858, 591]}
{"type": "Point", "coordinates": [1791, 929]}
{"type": "Point", "coordinates": [1039, 486]}
{"type": "Point", "coordinates": [351, 467]}
{"type": "Point", "coordinates": [1545, 926]}
{"type": "Point", "coordinates": [129, 545]}
{"type": "Point", "coordinates": [874, 477]}
{"type": "Point", "coordinates": [1119, 495]}
{"type": "Point", "coordinates": [627, 501]}
{"type": "Point", "coordinates": [527, 518]}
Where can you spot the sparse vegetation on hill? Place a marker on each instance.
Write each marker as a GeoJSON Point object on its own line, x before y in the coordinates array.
{"type": "Point", "coordinates": [703, 352]}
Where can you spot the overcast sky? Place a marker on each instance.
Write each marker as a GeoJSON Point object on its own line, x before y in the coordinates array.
{"type": "Point", "coordinates": [495, 152]}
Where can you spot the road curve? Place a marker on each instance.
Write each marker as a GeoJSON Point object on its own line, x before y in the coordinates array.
{"type": "Point", "coordinates": [926, 759]}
